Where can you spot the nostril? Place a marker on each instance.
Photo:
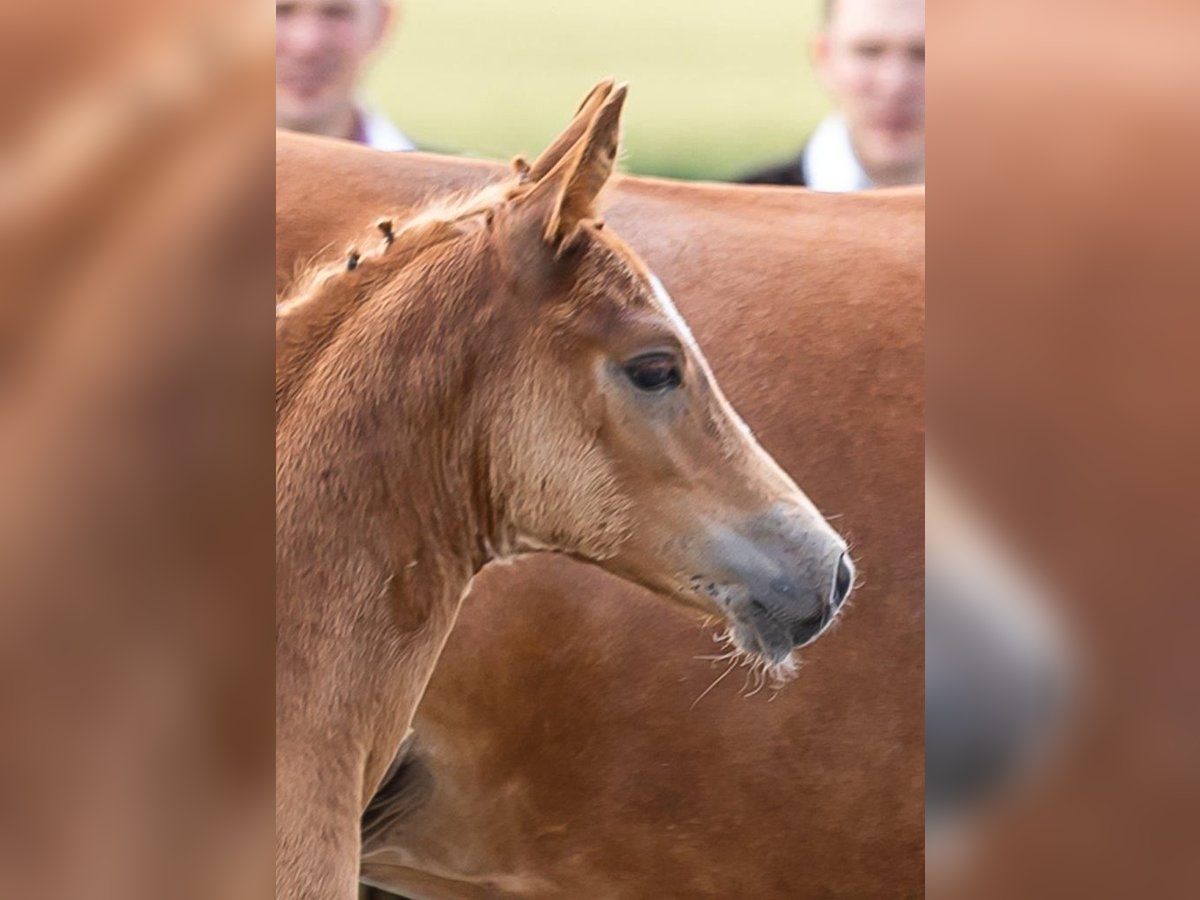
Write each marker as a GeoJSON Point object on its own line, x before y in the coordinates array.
{"type": "Point", "coordinates": [843, 580]}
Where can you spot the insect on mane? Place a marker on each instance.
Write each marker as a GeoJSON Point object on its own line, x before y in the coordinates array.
{"type": "Point", "coordinates": [432, 225]}
{"type": "Point", "coordinates": [309, 316]}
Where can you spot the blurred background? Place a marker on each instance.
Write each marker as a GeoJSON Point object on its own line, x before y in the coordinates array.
{"type": "Point", "coordinates": [720, 87]}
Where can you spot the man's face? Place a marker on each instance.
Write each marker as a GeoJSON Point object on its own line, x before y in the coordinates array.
{"type": "Point", "coordinates": [872, 58]}
{"type": "Point", "coordinates": [320, 48]}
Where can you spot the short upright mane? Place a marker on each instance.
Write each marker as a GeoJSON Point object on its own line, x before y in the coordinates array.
{"type": "Point", "coordinates": [396, 241]}
{"type": "Point", "coordinates": [309, 316]}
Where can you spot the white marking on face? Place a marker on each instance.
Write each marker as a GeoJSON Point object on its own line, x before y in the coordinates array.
{"type": "Point", "coordinates": [673, 316]}
{"type": "Point", "coordinates": [668, 307]}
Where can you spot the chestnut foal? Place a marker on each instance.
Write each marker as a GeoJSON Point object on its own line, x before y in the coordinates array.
{"type": "Point", "coordinates": [492, 378]}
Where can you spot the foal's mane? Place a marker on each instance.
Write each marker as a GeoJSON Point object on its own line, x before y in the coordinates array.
{"type": "Point", "coordinates": [327, 293]}
{"type": "Point", "coordinates": [417, 233]}
{"type": "Point", "coordinates": [574, 170]}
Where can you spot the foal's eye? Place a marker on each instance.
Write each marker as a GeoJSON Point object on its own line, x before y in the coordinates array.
{"type": "Point", "coordinates": [654, 373]}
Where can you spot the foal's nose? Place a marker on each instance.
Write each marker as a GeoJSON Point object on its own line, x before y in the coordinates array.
{"type": "Point", "coordinates": [843, 580]}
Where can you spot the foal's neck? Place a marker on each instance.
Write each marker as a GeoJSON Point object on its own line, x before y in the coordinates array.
{"type": "Point", "coordinates": [382, 520]}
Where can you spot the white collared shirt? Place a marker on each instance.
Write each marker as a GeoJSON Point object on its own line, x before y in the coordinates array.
{"type": "Point", "coordinates": [829, 162]}
{"type": "Point", "coordinates": [380, 133]}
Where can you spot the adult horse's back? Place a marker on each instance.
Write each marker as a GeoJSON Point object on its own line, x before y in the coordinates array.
{"type": "Point", "coordinates": [558, 751]}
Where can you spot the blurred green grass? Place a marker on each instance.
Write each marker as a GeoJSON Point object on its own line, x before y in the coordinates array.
{"type": "Point", "coordinates": [716, 88]}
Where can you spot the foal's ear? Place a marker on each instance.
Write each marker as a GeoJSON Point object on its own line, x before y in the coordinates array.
{"type": "Point", "coordinates": [571, 134]}
{"type": "Point", "coordinates": [577, 179]}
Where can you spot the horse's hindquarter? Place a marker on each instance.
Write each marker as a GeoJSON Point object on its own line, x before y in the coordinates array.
{"type": "Point", "coordinates": [558, 730]}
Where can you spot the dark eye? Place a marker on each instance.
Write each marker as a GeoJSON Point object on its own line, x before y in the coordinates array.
{"type": "Point", "coordinates": [654, 373]}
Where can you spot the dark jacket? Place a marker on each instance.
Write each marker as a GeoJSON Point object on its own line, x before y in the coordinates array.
{"type": "Point", "coordinates": [788, 173]}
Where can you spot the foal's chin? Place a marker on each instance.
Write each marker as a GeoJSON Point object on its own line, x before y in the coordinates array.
{"type": "Point", "coordinates": [762, 649]}
{"type": "Point", "coordinates": [767, 644]}
{"type": "Point", "coordinates": [752, 637]}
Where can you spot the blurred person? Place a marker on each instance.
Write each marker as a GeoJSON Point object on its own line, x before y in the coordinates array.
{"type": "Point", "coordinates": [321, 49]}
{"type": "Point", "coordinates": [870, 55]}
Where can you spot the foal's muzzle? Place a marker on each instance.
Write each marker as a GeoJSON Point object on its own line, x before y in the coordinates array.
{"type": "Point", "coordinates": [780, 581]}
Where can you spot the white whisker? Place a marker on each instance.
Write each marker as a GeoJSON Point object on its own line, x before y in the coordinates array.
{"type": "Point", "coordinates": [746, 682]}
{"type": "Point", "coordinates": [762, 680]}
{"type": "Point", "coordinates": [716, 681]}
{"type": "Point", "coordinates": [719, 658]}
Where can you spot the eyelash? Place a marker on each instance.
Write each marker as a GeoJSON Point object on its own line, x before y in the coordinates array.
{"type": "Point", "coordinates": [654, 373]}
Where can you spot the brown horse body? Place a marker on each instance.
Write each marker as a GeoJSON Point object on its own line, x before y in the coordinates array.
{"type": "Point", "coordinates": [493, 377]}
{"type": "Point", "coordinates": [557, 750]}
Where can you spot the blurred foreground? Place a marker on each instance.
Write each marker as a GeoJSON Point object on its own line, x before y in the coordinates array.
{"type": "Point", "coordinates": [135, 454]}
{"type": "Point", "coordinates": [1060, 362]}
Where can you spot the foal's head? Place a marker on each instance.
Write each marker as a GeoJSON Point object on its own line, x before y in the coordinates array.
{"type": "Point", "coordinates": [598, 428]}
